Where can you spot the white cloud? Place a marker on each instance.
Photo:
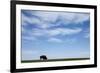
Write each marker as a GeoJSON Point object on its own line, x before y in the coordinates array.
{"type": "Point", "coordinates": [35, 21]}
{"type": "Point", "coordinates": [81, 17]}
{"type": "Point", "coordinates": [55, 32]}
{"type": "Point", "coordinates": [43, 19]}
{"type": "Point", "coordinates": [29, 38]}
{"type": "Point", "coordinates": [70, 17]}
{"type": "Point", "coordinates": [38, 32]}
{"type": "Point", "coordinates": [64, 31]}
{"type": "Point", "coordinates": [55, 40]}
{"type": "Point", "coordinates": [58, 40]}
{"type": "Point", "coordinates": [46, 15]}
{"type": "Point", "coordinates": [30, 20]}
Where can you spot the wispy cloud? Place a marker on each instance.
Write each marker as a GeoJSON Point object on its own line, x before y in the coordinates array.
{"type": "Point", "coordinates": [45, 22]}
{"type": "Point", "coordinates": [30, 38]}
{"type": "Point", "coordinates": [47, 19]}
{"type": "Point", "coordinates": [52, 16]}
{"type": "Point", "coordinates": [56, 31]}
{"type": "Point", "coordinates": [64, 31]}
{"type": "Point", "coordinates": [55, 40]}
{"type": "Point", "coordinates": [31, 20]}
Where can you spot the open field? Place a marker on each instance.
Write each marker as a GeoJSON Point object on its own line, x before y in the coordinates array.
{"type": "Point", "coordinates": [51, 60]}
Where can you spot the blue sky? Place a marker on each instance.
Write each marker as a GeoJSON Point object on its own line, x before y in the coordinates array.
{"type": "Point", "coordinates": [55, 34]}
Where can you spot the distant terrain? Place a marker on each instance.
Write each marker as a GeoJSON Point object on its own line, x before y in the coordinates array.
{"type": "Point", "coordinates": [52, 60]}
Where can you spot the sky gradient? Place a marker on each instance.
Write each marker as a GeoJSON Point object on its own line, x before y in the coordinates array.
{"type": "Point", "coordinates": [54, 34]}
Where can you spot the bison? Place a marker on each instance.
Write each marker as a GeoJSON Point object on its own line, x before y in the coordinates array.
{"type": "Point", "coordinates": [43, 57]}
